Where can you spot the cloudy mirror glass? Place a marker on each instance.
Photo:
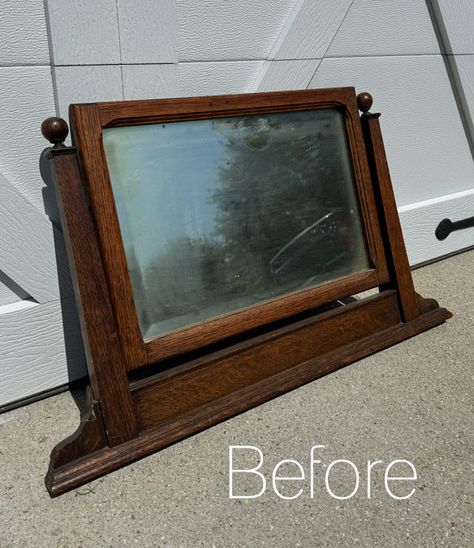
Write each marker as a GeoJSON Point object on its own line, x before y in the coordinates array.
{"type": "Point", "coordinates": [219, 215]}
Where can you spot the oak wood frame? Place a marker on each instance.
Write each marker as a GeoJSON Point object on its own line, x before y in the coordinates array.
{"type": "Point", "coordinates": [206, 373]}
{"type": "Point", "coordinates": [87, 122]}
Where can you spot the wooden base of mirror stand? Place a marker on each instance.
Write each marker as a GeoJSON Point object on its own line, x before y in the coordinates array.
{"type": "Point", "coordinates": [190, 397]}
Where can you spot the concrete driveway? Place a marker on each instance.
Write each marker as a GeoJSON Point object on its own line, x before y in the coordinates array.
{"type": "Point", "coordinates": [413, 401]}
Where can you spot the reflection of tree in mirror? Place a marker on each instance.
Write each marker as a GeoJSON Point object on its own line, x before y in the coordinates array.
{"type": "Point", "coordinates": [284, 217]}
{"type": "Point", "coordinates": [186, 275]}
{"type": "Point", "coordinates": [271, 196]}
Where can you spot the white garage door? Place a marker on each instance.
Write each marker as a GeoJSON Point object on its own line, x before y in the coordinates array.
{"type": "Point", "coordinates": [415, 57]}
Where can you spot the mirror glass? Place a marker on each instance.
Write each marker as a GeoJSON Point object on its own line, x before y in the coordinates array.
{"type": "Point", "coordinates": [218, 215]}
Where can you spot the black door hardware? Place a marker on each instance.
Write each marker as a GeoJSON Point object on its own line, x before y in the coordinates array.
{"type": "Point", "coordinates": [446, 226]}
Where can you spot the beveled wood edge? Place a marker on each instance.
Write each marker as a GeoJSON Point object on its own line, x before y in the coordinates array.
{"type": "Point", "coordinates": [175, 342]}
{"type": "Point", "coordinates": [427, 304]}
{"type": "Point", "coordinates": [88, 438]}
{"type": "Point", "coordinates": [139, 351]}
{"type": "Point", "coordinates": [113, 114]}
{"type": "Point", "coordinates": [396, 255]}
{"type": "Point", "coordinates": [73, 474]}
{"type": "Point", "coordinates": [105, 361]}
{"type": "Point", "coordinates": [195, 383]}
{"type": "Point", "coordinates": [148, 110]}
{"type": "Point", "coordinates": [85, 455]}
{"type": "Point", "coordinates": [87, 136]}
{"type": "Point", "coordinates": [365, 190]}
{"type": "Point", "coordinates": [254, 341]}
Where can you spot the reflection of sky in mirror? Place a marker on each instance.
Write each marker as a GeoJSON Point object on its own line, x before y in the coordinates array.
{"type": "Point", "coordinates": [163, 178]}
{"type": "Point", "coordinates": [164, 175]}
{"type": "Point", "coordinates": [220, 214]}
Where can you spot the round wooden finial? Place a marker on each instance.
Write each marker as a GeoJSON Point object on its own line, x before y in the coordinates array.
{"type": "Point", "coordinates": [364, 101]}
{"type": "Point", "coordinates": [55, 130]}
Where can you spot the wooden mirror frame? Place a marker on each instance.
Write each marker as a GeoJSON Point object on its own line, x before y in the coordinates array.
{"type": "Point", "coordinates": [146, 395]}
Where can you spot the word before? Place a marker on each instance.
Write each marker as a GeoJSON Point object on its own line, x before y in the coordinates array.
{"type": "Point", "coordinates": [291, 482]}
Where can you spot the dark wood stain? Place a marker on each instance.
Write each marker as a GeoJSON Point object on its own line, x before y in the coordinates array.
{"type": "Point", "coordinates": [128, 419]}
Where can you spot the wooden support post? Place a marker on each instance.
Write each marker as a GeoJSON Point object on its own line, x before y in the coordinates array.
{"type": "Point", "coordinates": [397, 258]}
{"type": "Point", "coordinates": [105, 359]}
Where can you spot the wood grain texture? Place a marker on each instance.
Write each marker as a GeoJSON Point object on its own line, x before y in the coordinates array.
{"type": "Point", "coordinates": [105, 359]}
{"type": "Point", "coordinates": [197, 383]}
{"type": "Point", "coordinates": [83, 32]}
{"type": "Point", "coordinates": [87, 122]}
{"type": "Point", "coordinates": [424, 137]}
{"type": "Point", "coordinates": [149, 111]}
{"type": "Point", "coordinates": [34, 354]}
{"type": "Point", "coordinates": [216, 30]}
{"type": "Point", "coordinates": [419, 222]}
{"type": "Point", "coordinates": [400, 275]}
{"type": "Point", "coordinates": [110, 257]}
{"type": "Point", "coordinates": [147, 31]}
{"type": "Point", "coordinates": [285, 75]}
{"type": "Point", "coordinates": [216, 329]}
{"type": "Point", "coordinates": [23, 38]}
{"type": "Point", "coordinates": [397, 27]}
{"type": "Point", "coordinates": [26, 96]}
{"type": "Point", "coordinates": [362, 178]}
{"type": "Point", "coordinates": [310, 28]}
{"type": "Point", "coordinates": [27, 247]}
{"type": "Point", "coordinates": [103, 461]}
{"type": "Point", "coordinates": [155, 406]}
{"type": "Point", "coordinates": [88, 438]}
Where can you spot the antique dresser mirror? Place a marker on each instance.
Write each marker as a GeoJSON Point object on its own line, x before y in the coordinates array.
{"type": "Point", "coordinates": [215, 244]}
